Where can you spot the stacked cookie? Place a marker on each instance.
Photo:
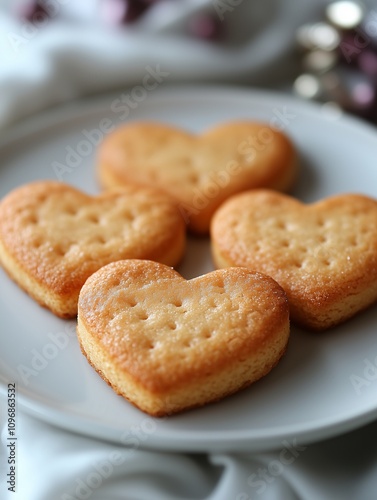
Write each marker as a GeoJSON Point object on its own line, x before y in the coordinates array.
{"type": "Point", "coordinates": [164, 343]}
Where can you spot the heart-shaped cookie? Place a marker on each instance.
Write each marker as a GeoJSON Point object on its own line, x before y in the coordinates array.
{"type": "Point", "coordinates": [324, 255]}
{"type": "Point", "coordinates": [199, 171]}
{"type": "Point", "coordinates": [167, 344]}
{"type": "Point", "coordinates": [53, 237]}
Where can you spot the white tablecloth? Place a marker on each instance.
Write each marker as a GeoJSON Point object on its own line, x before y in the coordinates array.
{"type": "Point", "coordinates": [56, 465]}
{"type": "Point", "coordinates": [75, 55]}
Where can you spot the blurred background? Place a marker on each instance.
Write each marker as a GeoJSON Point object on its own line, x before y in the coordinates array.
{"type": "Point", "coordinates": [53, 51]}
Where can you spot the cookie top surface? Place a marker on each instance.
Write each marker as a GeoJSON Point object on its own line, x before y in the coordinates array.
{"type": "Point", "coordinates": [318, 250]}
{"type": "Point", "coordinates": [61, 235]}
{"type": "Point", "coordinates": [153, 321]}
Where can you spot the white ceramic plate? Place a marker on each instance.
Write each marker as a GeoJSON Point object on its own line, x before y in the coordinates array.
{"type": "Point", "coordinates": [313, 393]}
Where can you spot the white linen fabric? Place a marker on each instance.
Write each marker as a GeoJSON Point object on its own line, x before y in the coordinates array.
{"type": "Point", "coordinates": [74, 55]}
{"type": "Point", "coordinates": [53, 464]}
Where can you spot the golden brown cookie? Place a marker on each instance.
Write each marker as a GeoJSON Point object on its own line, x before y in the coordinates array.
{"type": "Point", "coordinates": [200, 172]}
{"type": "Point", "coordinates": [167, 344]}
{"type": "Point", "coordinates": [53, 237]}
{"type": "Point", "coordinates": [324, 255]}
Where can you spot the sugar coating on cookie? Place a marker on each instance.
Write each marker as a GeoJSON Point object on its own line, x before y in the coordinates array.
{"type": "Point", "coordinates": [199, 171]}
{"type": "Point", "coordinates": [324, 255]}
{"type": "Point", "coordinates": [53, 237]}
{"type": "Point", "coordinates": [167, 344]}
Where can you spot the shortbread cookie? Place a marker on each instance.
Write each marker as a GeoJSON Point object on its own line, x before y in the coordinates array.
{"type": "Point", "coordinates": [199, 171]}
{"type": "Point", "coordinates": [324, 255]}
{"type": "Point", "coordinates": [53, 237]}
{"type": "Point", "coordinates": [167, 344]}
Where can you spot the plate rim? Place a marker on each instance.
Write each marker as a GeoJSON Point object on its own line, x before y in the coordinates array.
{"type": "Point", "coordinates": [307, 435]}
